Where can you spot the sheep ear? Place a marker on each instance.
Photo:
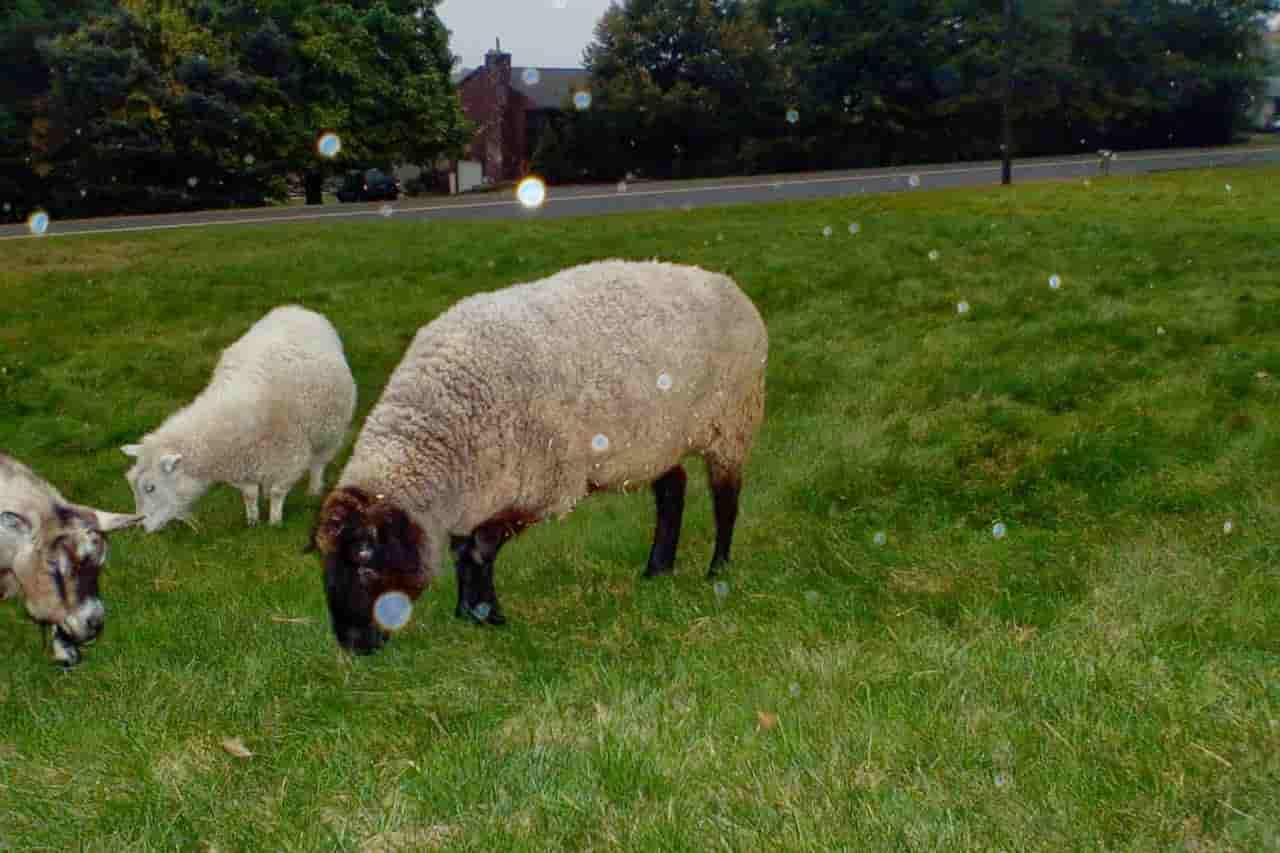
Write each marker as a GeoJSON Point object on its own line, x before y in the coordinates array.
{"type": "Point", "coordinates": [169, 462]}
{"type": "Point", "coordinates": [13, 524]}
{"type": "Point", "coordinates": [131, 450]}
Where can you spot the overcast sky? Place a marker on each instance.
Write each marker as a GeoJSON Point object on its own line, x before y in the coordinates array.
{"type": "Point", "coordinates": [534, 32]}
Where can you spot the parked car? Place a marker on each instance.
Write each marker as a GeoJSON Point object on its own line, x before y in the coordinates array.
{"type": "Point", "coordinates": [369, 185]}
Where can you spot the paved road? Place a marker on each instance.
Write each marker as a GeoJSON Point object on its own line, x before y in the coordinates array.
{"type": "Point", "coordinates": [594, 200]}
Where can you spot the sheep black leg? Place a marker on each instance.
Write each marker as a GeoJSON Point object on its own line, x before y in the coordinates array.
{"type": "Point", "coordinates": [461, 547]}
{"type": "Point", "coordinates": [668, 493]}
{"type": "Point", "coordinates": [724, 497]}
{"type": "Point", "coordinates": [475, 555]}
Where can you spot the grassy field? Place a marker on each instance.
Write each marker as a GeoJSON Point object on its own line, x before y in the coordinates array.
{"type": "Point", "coordinates": [1106, 676]}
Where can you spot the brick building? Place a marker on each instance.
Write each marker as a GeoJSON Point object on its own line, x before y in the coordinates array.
{"type": "Point", "coordinates": [512, 106]}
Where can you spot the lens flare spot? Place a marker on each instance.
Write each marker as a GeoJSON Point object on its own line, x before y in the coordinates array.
{"type": "Point", "coordinates": [721, 589]}
{"type": "Point", "coordinates": [249, 159]}
{"type": "Point", "coordinates": [392, 610]}
{"type": "Point", "coordinates": [811, 598]}
{"type": "Point", "coordinates": [855, 228]}
{"type": "Point", "coordinates": [581, 100]}
{"type": "Point", "coordinates": [531, 192]}
{"type": "Point", "coordinates": [385, 211]}
{"type": "Point", "coordinates": [793, 116]}
{"type": "Point", "coordinates": [38, 223]}
{"type": "Point", "coordinates": [531, 76]}
{"type": "Point", "coordinates": [481, 611]}
{"type": "Point", "coordinates": [193, 181]}
{"type": "Point", "coordinates": [826, 231]}
{"type": "Point", "coordinates": [913, 181]}
{"type": "Point", "coordinates": [664, 382]}
{"type": "Point", "coordinates": [934, 254]}
{"type": "Point", "coordinates": [962, 307]}
{"type": "Point", "coordinates": [600, 443]}
{"type": "Point", "coordinates": [329, 144]}
{"type": "Point", "coordinates": [880, 538]}
{"type": "Point", "coordinates": [1055, 282]}
{"type": "Point", "coordinates": [1228, 526]}
{"type": "Point", "coordinates": [998, 530]}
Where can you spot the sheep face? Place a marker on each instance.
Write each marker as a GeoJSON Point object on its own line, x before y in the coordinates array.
{"type": "Point", "coordinates": [370, 547]}
{"type": "Point", "coordinates": [54, 562]}
{"type": "Point", "coordinates": [162, 488]}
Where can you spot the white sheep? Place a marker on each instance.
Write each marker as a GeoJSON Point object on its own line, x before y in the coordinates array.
{"type": "Point", "coordinates": [279, 403]}
{"type": "Point", "coordinates": [514, 405]}
{"type": "Point", "coordinates": [51, 553]}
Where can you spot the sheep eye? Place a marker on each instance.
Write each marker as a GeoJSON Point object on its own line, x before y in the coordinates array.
{"type": "Point", "coordinates": [149, 488]}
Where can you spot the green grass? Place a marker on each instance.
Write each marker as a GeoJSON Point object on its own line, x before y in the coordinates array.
{"type": "Point", "coordinates": [1105, 677]}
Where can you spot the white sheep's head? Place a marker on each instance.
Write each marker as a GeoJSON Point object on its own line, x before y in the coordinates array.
{"type": "Point", "coordinates": [163, 489]}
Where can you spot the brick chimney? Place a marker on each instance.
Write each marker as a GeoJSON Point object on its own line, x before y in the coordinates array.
{"type": "Point", "coordinates": [497, 72]}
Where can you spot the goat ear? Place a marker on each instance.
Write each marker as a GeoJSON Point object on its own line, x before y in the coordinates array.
{"type": "Point", "coordinates": [13, 524]}
{"type": "Point", "coordinates": [131, 450]}
{"type": "Point", "coordinates": [109, 521]}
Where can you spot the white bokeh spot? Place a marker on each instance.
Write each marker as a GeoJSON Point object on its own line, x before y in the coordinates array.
{"type": "Point", "coordinates": [392, 610]}
{"type": "Point", "coordinates": [329, 144]}
{"type": "Point", "coordinates": [531, 192]}
{"type": "Point", "coordinates": [38, 223]}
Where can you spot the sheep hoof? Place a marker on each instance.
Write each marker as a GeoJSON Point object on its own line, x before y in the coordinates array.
{"type": "Point", "coordinates": [654, 570]}
{"type": "Point", "coordinates": [482, 613]}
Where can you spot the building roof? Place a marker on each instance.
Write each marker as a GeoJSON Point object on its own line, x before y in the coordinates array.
{"type": "Point", "coordinates": [555, 86]}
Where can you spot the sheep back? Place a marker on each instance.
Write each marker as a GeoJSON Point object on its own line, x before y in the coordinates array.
{"type": "Point", "coordinates": [600, 377]}
{"type": "Point", "coordinates": [277, 395]}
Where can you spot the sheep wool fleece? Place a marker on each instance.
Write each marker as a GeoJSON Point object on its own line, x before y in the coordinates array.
{"type": "Point", "coordinates": [522, 401]}
{"type": "Point", "coordinates": [279, 397]}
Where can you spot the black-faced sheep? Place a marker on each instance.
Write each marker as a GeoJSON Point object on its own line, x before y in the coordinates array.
{"type": "Point", "coordinates": [279, 404]}
{"type": "Point", "coordinates": [514, 405]}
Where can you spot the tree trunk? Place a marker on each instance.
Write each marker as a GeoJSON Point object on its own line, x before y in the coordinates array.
{"type": "Point", "coordinates": [1006, 119]}
{"type": "Point", "coordinates": [315, 188]}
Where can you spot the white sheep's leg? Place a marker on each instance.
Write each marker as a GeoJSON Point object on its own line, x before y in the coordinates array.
{"type": "Point", "coordinates": [316, 487]}
{"type": "Point", "coordinates": [249, 491]}
{"type": "Point", "coordinates": [277, 494]}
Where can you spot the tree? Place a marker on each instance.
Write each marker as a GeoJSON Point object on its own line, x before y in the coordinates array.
{"type": "Point", "coordinates": [24, 87]}
{"type": "Point", "coordinates": [202, 100]}
{"type": "Point", "coordinates": [676, 86]}
{"type": "Point", "coordinates": [376, 73]}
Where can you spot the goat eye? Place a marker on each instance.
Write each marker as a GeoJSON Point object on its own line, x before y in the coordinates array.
{"type": "Point", "coordinates": [149, 488]}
